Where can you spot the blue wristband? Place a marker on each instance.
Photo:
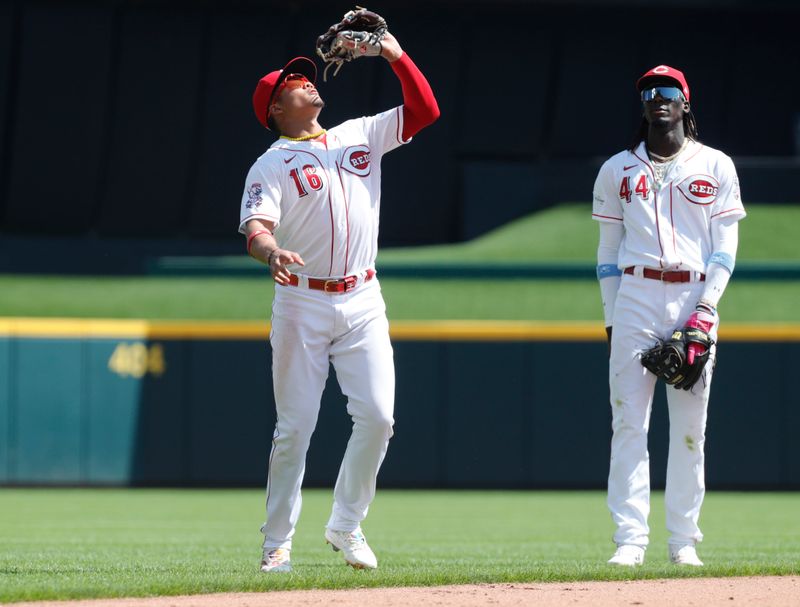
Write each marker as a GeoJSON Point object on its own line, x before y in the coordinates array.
{"type": "Point", "coordinates": [723, 259]}
{"type": "Point", "coordinates": [606, 270]}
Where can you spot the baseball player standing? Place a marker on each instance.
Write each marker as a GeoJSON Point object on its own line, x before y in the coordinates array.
{"type": "Point", "coordinates": [668, 210]}
{"type": "Point", "coordinates": [310, 212]}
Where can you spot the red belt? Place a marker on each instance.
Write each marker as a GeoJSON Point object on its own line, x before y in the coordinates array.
{"type": "Point", "coordinates": [333, 285]}
{"type": "Point", "coordinates": [672, 276]}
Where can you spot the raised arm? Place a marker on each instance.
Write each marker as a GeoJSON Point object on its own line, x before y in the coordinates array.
{"type": "Point", "coordinates": [419, 105]}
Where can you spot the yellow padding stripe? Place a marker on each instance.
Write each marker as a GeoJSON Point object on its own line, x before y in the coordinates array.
{"type": "Point", "coordinates": [131, 329]}
{"type": "Point", "coordinates": [564, 331]}
{"type": "Point", "coordinates": [433, 330]}
{"type": "Point", "coordinates": [496, 330]}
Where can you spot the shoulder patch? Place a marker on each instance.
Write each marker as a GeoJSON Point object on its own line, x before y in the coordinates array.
{"type": "Point", "coordinates": [254, 196]}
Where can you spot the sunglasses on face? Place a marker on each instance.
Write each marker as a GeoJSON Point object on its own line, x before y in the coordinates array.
{"type": "Point", "coordinates": [291, 82]}
{"type": "Point", "coordinates": [667, 93]}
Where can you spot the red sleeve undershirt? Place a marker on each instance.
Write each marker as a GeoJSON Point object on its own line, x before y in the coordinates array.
{"type": "Point", "coordinates": [419, 105]}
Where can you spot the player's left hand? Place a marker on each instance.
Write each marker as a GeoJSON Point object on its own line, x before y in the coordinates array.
{"type": "Point", "coordinates": [279, 259]}
{"type": "Point", "coordinates": [390, 48]}
{"type": "Point", "coordinates": [703, 318]}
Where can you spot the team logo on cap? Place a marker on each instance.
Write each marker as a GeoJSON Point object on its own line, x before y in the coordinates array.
{"type": "Point", "coordinates": [254, 196]}
{"type": "Point", "coordinates": [699, 189]}
{"type": "Point", "coordinates": [356, 160]}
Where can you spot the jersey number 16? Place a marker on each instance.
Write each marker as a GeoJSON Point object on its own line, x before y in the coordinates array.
{"type": "Point", "coordinates": [314, 181]}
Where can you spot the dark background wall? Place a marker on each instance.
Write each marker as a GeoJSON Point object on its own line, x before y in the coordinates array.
{"type": "Point", "coordinates": [131, 121]}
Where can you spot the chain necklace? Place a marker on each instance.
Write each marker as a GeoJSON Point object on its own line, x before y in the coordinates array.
{"type": "Point", "coordinates": [660, 169]}
{"type": "Point", "coordinates": [305, 137]}
{"type": "Point", "coordinates": [663, 164]}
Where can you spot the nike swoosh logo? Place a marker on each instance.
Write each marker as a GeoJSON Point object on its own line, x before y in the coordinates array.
{"type": "Point", "coordinates": [628, 168]}
{"type": "Point", "coordinates": [288, 160]}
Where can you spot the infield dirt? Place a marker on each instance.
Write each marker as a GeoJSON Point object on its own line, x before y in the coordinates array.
{"type": "Point", "coordinates": [705, 592]}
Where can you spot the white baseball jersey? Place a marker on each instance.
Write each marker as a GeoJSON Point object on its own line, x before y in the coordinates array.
{"type": "Point", "coordinates": [664, 225]}
{"type": "Point", "coordinates": [324, 196]}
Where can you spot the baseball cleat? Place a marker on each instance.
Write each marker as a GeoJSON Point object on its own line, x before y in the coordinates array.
{"type": "Point", "coordinates": [354, 547]}
{"type": "Point", "coordinates": [627, 555]}
{"type": "Point", "coordinates": [684, 555]}
{"type": "Point", "coordinates": [276, 560]}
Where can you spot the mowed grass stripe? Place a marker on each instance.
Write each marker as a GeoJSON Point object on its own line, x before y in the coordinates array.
{"type": "Point", "coordinates": [73, 543]}
{"type": "Point", "coordinates": [222, 299]}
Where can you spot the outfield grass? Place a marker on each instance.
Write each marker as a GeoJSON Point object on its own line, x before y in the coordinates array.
{"type": "Point", "coordinates": [563, 233]}
{"type": "Point", "coordinates": [567, 233]}
{"type": "Point", "coordinates": [71, 543]}
{"type": "Point", "coordinates": [406, 299]}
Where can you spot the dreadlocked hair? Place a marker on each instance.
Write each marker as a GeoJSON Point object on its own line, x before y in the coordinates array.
{"type": "Point", "coordinates": [689, 129]}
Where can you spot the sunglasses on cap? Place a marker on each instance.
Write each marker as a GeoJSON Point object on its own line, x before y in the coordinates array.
{"type": "Point", "coordinates": [667, 93]}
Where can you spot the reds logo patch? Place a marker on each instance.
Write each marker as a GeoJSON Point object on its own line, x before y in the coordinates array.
{"type": "Point", "coordinates": [699, 189]}
{"type": "Point", "coordinates": [254, 196]}
{"type": "Point", "coordinates": [356, 160]}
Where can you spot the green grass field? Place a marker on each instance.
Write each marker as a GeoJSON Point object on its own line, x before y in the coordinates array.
{"type": "Point", "coordinates": [567, 233]}
{"type": "Point", "coordinates": [563, 233]}
{"type": "Point", "coordinates": [71, 543]}
{"type": "Point", "coordinates": [250, 299]}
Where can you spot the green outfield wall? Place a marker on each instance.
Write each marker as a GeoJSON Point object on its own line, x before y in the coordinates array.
{"type": "Point", "coordinates": [511, 405]}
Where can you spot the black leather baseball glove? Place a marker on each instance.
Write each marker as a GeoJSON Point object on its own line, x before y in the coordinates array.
{"type": "Point", "coordinates": [669, 360]}
{"type": "Point", "coordinates": [358, 34]}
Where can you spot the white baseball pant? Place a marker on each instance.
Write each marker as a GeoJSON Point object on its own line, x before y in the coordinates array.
{"type": "Point", "coordinates": [311, 329]}
{"type": "Point", "coordinates": [647, 310]}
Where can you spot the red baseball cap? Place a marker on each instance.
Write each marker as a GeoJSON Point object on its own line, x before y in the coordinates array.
{"type": "Point", "coordinates": [664, 72]}
{"type": "Point", "coordinates": [266, 87]}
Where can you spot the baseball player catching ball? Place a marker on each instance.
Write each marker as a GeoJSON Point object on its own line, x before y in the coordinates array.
{"type": "Point", "coordinates": [668, 210]}
{"type": "Point", "coordinates": [310, 212]}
